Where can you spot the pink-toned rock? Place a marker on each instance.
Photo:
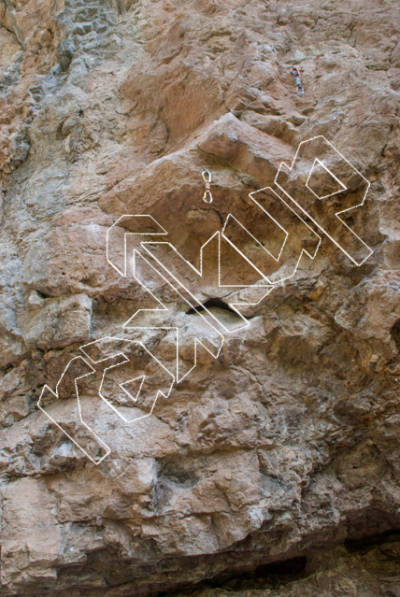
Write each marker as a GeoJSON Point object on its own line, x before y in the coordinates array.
{"type": "Point", "coordinates": [272, 468]}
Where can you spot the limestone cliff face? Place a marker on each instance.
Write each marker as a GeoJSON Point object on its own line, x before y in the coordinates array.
{"type": "Point", "coordinates": [279, 446]}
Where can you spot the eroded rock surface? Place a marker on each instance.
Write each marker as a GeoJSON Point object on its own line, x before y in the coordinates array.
{"type": "Point", "coordinates": [285, 447]}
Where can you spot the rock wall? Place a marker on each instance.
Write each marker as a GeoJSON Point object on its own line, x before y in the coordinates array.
{"type": "Point", "coordinates": [283, 451]}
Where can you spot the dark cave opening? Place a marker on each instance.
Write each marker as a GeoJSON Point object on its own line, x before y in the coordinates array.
{"type": "Point", "coordinates": [265, 575]}
{"type": "Point", "coordinates": [390, 536]}
{"type": "Point", "coordinates": [395, 332]}
{"type": "Point", "coordinates": [212, 302]}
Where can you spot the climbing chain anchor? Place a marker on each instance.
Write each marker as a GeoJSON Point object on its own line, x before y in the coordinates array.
{"type": "Point", "coordinates": [207, 194]}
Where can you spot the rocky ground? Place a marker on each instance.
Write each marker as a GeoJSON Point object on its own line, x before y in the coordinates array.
{"type": "Point", "coordinates": [274, 468]}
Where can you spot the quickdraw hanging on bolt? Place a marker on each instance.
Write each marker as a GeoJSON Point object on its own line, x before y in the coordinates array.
{"type": "Point", "coordinates": [295, 71]}
{"type": "Point", "coordinates": [208, 186]}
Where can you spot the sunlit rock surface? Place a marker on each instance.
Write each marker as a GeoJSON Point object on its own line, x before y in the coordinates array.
{"type": "Point", "coordinates": [273, 469]}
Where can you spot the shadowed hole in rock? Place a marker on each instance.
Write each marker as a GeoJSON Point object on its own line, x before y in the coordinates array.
{"type": "Point", "coordinates": [179, 472]}
{"type": "Point", "coordinates": [267, 575]}
{"type": "Point", "coordinates": [395, 332]}
{"type": "Point", "coordinates": [44, 295]}
{"type": "Point", "coordinates": [392, 536]}
{"type": "Point", "coordinates": [212, 302]}
{"type": "Point", "coordinates": [372, 527]}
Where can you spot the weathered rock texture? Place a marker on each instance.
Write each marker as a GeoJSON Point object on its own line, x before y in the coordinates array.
{"type": "Point", "coordinates": [287, 445]}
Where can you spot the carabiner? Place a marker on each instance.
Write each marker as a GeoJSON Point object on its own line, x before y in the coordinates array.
{"type": "Point", "coordinates": [208, 186]}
